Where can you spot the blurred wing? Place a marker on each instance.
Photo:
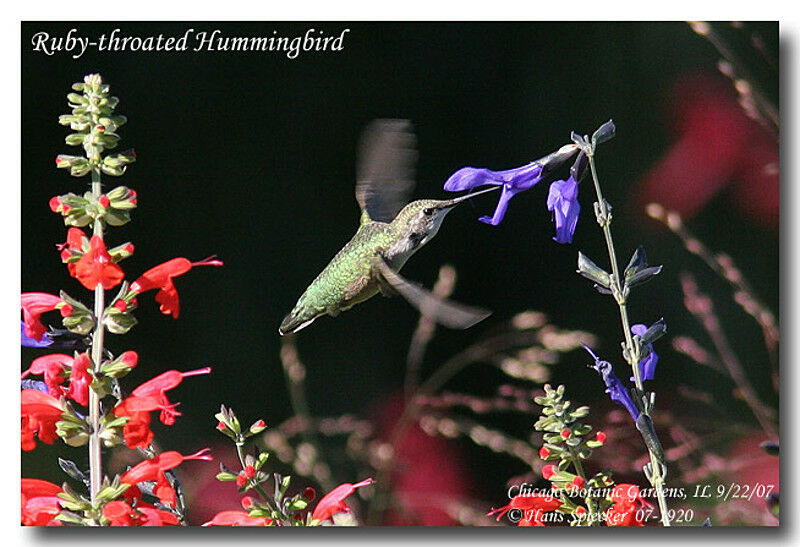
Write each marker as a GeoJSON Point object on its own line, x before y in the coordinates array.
{"type": "Point", "coordinates": [443, 311]}
{"type": "Point", "coordinates": [385, 169]}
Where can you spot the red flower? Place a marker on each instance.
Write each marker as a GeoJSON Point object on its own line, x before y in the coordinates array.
{"type": "Point", "coordinates": [137, 429]}
{"type": "Point", "coordinates": [160, 277]}
{"type": "Point", "coordinates": [241, 479]}
{"type": "Point", "coordinates": [153, 470]}
{"type": "Point", "coordinates": [40, 503]}
{"type": "Point", "coordinates": [600, 437]}
{"type": "Point", "coordinates": [76, 240]}
{"type": "Point", "coordinates": [548, 471]}
{"type": "Point", "coordinates": [120, 513]}
{"type": "Point", "coordinates": [237, 518]}
{"type": "Point", "coordinates": [158, 386]}
{"type": "Point", "coordinates": [51, 367]}
{"type": "Point", "coordinates": [565, 433]}
{"type": "Point", "coordinates": [627, 502]}
{"type": "Point", "coordinates": [34, 304]}
{"type": "Point", "coordinates": [333, 503]}
{"type": "Point", "coordinates": [40, 412]}
{"type": "Point", "coordinates": [96, 267]}
{"type": "Point", "coordinates": [577, 483]}
{"type": "Point", "coordinates": [79, 380]}
{"type": "Point", "coordinates": [533, 507]}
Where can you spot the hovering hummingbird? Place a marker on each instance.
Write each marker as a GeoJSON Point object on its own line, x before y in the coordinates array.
{"type": "Point", "coordinates": [390, 232]}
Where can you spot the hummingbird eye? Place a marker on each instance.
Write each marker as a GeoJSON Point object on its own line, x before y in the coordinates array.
{"type": "Point", "coordinates": [428, 211]}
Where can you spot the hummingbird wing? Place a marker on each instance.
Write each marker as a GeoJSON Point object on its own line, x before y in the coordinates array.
{"type": "Point", "coordinates": [450, 314]}
{"type": "Point", "coordinates": [385, 168]}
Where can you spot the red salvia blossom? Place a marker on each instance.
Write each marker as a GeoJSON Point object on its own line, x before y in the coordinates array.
{"type": "Point", "coordinates": [158, 386]}
{"type": "Point", "coordinates": [153, 470]}
{"type": "Point", "coordinates": [627, 502]}
{"type": "Point", "coordinates": [237, 518]}
{"type": "Point", "coordinates": [79, 380]}
{"type": "Point", "coordinates": [76, 240]}
{"type": "Point", "coordinates": [333, 502]}
{"type": "Point", "coordinates": [34, 304]}
{"type": "Point", "coordinates": [533, 507]}
{"type": "Point", "coordinates": [96, 267]}
{"type": "Point", "coordinates": [120, 513]}
{"type": "Point", "coordinates": [136, 430]}
{"type": "Point", "coordinates": [40, 412]}
{"type": "Point", "coordinates": [40, 503]}
{"type": "Point", "coordinates": [52, 367]}
{"type": "Point", "coordinates": [160, 277]}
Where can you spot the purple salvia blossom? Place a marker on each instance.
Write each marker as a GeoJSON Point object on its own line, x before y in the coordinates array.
{"type": "Point", "coordinates": [563, 201]}
{"type": "Point", "coordinates": [614, 386]}
{"type": "Point", "coordinates": [513, 181]}
{"type": "Point", "coordinates": [647, 366]}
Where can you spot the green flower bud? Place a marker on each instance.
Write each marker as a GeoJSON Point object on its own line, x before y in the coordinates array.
{"type": "Point", "coordinates": [75, 139]}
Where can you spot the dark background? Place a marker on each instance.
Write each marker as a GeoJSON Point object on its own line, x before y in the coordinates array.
{"type": "Point", "coordinates": [251, 156]}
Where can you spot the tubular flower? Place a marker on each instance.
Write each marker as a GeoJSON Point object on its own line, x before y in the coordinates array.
{"type": "Point", "coordinates": [333, 503]}
{"type": "Point", "coordinates": [513, 181]}
{"type": "Point", "coordinates": [79, 380]}
{"type": "Point", "coordinates": [237, 518]}
{"type": "Point", "coordinates": [51, 367]}
{"type": "Point", "coordinates": [40, 412]}
{"type": "Point", "coordinates": [153, 470]}
{"type": "Point", "coordinates": [120, 513]}
{"type": "Point", "coordinates": [34, 304]}
{"type": "Point", "coordinates": [647, 366]}
{"type": "Point", "coordinates": [136, 430]}
{"type": "Point", "coordinates": [614, 386]}
{"type": "Point", "coordinates": [562, 199]}
{"type": "Point", "coordinates": [40, 503]}
{"type": "Point", "coordinates": [158, 386]}
{"type": "Point", "coordinates": [160, 277]}
{"type": "Point", "coordinates": [96, 267]}
{"type": "Point", "coordinates": [627, 501]}
{"type": "Point", "coordinates": [533, 507]}
{"type": "Point", "coordinates": [75, 245]}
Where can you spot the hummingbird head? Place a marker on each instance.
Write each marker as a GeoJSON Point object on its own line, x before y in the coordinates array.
{"type": "Point", "coordinates": [420, 220]}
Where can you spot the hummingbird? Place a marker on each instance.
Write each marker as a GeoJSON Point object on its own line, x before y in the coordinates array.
{"type": "Point", "coordinates": [390, 231]}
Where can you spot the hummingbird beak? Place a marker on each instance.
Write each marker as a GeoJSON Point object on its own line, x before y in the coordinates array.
{"type": "Point", "coordinates": [448, 204]}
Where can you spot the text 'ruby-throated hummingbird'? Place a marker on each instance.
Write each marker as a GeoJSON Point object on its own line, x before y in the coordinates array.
{"type": "Point", "coordinates": [389, 233]}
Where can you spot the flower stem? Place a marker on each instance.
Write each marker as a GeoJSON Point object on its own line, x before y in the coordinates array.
{"type": "Point", "coordinates": [576, 461]}
{"type": "Point", "coordinates": [95, 454]}
{"type": "Point", "coordinates": [268, 500]}
{"type": "Point", "coordinates": [604, 219]}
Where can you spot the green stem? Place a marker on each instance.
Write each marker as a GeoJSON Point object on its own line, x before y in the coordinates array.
{"type": "Point", "coordinates": [657, 480]}
{"type": "Point", "coordinates": [95, 448]}
{"type": "Point", "coordinates": [268, 500]}
{"type": "Point", "coordinates": [576, 461]}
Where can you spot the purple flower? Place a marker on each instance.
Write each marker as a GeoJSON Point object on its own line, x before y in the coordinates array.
{"type": "Point", "coordinates": [563, 201]}
{"type": "Point", "coordinates": [38, 385]}
{"type": "Point", "coordinates": [55, 339]}
{"type": "Point", "coordinates": [513, 181]}
{"type": "Point", "coordinates": [29, 342]}
{"type": "Point", "coordinates": [647, 366]}
{"type": "Point", "coordinates": [614, 386]}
